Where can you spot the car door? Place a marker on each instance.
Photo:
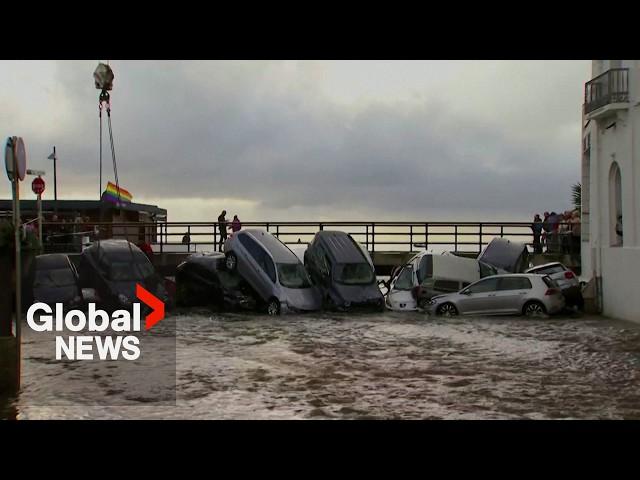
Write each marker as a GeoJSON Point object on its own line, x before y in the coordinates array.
{"type": "Point", "coordinates": [479, 297]}
{"type": "Point", "coordinates": [511, 294]}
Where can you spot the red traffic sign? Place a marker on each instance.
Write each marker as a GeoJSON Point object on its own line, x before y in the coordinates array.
{"type": "Point", "coordinates": [37, 186]}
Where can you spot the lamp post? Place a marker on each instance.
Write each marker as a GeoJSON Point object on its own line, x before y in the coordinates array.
{"type": "Point", "coordinates": [54, 157]}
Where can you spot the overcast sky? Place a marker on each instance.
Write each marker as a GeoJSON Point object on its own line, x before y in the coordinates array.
{"type": "Point", "coordinates": [287, 140]}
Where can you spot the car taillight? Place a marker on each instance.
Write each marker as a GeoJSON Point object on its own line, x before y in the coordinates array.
{"type": "Point", "coordinates": [569, 275]}
{"type": "Point", "coordinates": [552, 291]}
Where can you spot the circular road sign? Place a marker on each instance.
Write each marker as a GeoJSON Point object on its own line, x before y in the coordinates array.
{"type": "Point", "coordinates": [8, 158]}
{"type": "Point", "coordinates": [21, 157]}
{"type": "Point", "coordinates": [37, 186]}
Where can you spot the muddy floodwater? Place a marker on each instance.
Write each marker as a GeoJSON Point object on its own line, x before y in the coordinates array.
{"type": "Point", "coordinates": [372, 366]}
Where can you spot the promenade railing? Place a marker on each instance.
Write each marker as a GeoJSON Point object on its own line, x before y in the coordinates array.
{"type": "Point", "coordinates": [461, 237]}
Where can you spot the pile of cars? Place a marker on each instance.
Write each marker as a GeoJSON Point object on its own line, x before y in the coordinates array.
{"type": "Point", "coordinates": [107, 274]}
{"type": "Point", "coordinates": [259, 272]}
{"type": "Point", "coordinates": [499, 282]}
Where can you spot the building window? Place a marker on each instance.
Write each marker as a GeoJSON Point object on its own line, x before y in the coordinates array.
{"type": "Point", "coordinates": [615, 206]}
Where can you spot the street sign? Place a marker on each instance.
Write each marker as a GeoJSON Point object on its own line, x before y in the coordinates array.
{"type": "Point", "coordinates": [21, 157]}
{"type": "Point", "coordinates": [8, 158]}
{"type": "Point", "coordinates": [37, 186]}
{"type": "Point", "coordinates": [14, 151]}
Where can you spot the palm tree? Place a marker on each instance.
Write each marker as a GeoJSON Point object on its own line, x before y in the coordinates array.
{"type": "Point", "coordinates": [576, 196]}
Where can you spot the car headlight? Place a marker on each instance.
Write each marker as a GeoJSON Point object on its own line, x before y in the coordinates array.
{"type": "Point", "coordinates": [431, 302]}
{"type": "Point", "coordinates": [123, 298]}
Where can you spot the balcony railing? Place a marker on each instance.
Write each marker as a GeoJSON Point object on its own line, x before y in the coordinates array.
{"type": "Point", "coordinates": [610, 87]}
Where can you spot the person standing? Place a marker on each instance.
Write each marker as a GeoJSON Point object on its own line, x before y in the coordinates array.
{"type": "Point", "coordinates": [575, 232]}
{"type": "Point", "coordinates": [236, 225]}
{"type": "Point", "coordinates": [546, 230]}
{"type": "Point", "coordinates": [564, 232]}
{"type": "Point", "coordinates": [222, 229]}
{"type": "Point", "coordinates": [537, 232]}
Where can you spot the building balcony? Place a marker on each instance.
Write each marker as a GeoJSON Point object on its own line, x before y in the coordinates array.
{"type": "Point", "coordinates": [607, 92]}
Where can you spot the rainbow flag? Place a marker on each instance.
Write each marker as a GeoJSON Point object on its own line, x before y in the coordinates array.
{"type": "Point", "coordinates": [111, 194]}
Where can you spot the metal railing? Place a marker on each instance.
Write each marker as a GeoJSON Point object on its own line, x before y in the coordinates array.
{"type": "Point", "coordinates": [610, 87]}
{"type": "Point", "coordinates": [189, 237]}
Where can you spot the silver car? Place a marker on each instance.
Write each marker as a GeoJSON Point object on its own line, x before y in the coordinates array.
{"type": "Point", "coordinates": [275, 273]}
{"type": "Point", "coordinates": [513, 294]}
{"type": "Point", "coordinates": [566, 280]}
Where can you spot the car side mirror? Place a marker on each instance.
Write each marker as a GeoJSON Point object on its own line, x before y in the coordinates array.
{"type": "Point", "coordinates": [465, 292]}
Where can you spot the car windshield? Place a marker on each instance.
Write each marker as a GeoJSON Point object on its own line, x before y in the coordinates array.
{"type": "Point", "coordinates": [59, 277]}
{"type": "Point", "coordinates": [405, 279]}
{"type": "Point", "coordinates": [127, 271]}
{"type": "Point", "coordinates": [293, 275]}
{"type": "Point", "coordinates": [354, 274]}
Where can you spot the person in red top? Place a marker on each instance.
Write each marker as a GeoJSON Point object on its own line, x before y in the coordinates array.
{"type": "Point", "coordinates": [146, 248]}
{"type": "Point", "coordinates": [236, 225]}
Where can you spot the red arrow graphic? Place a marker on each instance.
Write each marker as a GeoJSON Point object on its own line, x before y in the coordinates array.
{"type": "Point", "coordinates": [152, 301]}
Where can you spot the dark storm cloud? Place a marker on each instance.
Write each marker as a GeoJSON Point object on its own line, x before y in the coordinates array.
{"type": "Point", "coordinates": [258, 132]}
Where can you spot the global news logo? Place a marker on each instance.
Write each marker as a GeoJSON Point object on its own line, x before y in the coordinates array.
{"type": "Point", "coordinates": [124, 343]}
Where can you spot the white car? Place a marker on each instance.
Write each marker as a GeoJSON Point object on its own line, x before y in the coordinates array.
{"type": "Point", "coordinates": [568, 281]}
{"type": "Point", "coordinates": [428, 274]}
{"type": "Point", "coordinates": [512, 294]}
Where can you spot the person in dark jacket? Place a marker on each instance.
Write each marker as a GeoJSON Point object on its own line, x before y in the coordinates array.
{"type": "Point", "coordinates": [222, 229]}
{"type": "Point", "coordinates": [536, 226]}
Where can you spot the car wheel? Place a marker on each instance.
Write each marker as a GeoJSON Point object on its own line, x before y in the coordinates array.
{"type": "Point", "coordinates": [273, 307]}
{"type": "Point", "coordinates": [231, 261]}
{"type": "Point", "coordinates": [534, 309]}
{"type": "Point", "coordinates": [447, 310]}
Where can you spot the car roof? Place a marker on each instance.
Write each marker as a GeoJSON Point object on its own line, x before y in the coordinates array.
{"type": "Point", "coordinates": [509, 275]}
{"type": "Point", "coordinates": [546, 265]}
{"type": "Point", "coordinates": [278, 250]}
{"type": "Point", "coordinates": [114, 249]}
{"type": "Point", "coordinates": [52, 261]}
{"type": "Point", "coordinates": [341, 247]}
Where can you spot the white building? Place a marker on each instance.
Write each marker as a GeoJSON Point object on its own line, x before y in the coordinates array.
{"type": "Point", "coordinates": [611, 186]}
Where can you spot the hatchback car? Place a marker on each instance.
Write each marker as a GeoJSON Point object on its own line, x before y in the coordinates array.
{"type": "Point", "coordinates": [514, 294]}
{"type": "Point", "coordinates": [343, 270]}
{"type": "Point", "coordinates": [110, 270]}
{"type": "Point", "coordinates": [566, 280]}
{"type": "Point", "coordinates": [274, 272]}
{"type": "Point", "coordinates": [55, 280]}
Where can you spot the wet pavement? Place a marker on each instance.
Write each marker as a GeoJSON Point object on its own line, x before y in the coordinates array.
{"type": "Point", "coordinates": [369, 366]}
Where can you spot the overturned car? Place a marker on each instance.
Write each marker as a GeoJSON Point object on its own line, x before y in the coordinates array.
{"type": "Point", "coordinates": [109, 271]}
{"type": "Point", "coordinates": [274, 272]}
{"type": "Point", "coordinates": [202, 280]}
{"type": "Point", "coordinates": [343, 270]}
{"type": "Point", "coordinates": [506, 256]}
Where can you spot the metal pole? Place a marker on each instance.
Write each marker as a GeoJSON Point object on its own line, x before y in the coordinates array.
{"type": "Point", "coordinates": [40, 223]}
{"type": "Point", "coordinates": [17, 240]}
{"type": "Point", "coordinates": [55, 180]}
